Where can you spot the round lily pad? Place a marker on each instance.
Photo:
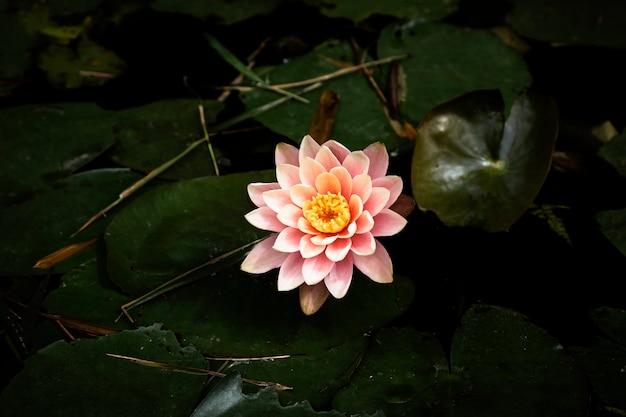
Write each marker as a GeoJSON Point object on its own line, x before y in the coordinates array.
{"type": "Point", "coordinates": [474, 169]}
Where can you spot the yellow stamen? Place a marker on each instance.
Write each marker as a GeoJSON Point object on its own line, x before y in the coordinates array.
{"type": "Point", "coordinates": [328, 213]}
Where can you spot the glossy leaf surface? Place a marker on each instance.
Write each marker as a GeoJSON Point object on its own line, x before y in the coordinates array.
{"type": "Point", "coordinates": [474, 169]}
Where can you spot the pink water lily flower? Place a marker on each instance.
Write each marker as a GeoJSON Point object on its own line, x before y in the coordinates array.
{"type": "Point", "coordinates": [327, 207]}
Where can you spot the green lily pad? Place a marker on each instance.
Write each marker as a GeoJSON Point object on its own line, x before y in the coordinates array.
{"type": "Point", "coordinates": [473, 169]}
{"type": "Point", "coordinates": [150, 135]}
{"type": "Point", "coordinates": [360, 119]}
{"type": "Point", "coordinates": [261, 321]}
{"type": "Point", "coordinates": [42, 144]}
{"type": "Point", "coordinates": [605, 361]}
{"type": "Point", "coordinates": [43, 224]}
{"type": "Point", "coordinates": [398, 375]}
{"type": "Point", "coordinates": [227, 399]}
{"type": "Point", "coordinates": [89, 65]}
{"type": "Point", "coordinates": [358, 10]}
{"type": "Point", "coordinates": [447, 61]}
{"type": "Point", "coordinates": [86, 294]}
{"type": "Point", "coordinates": [228, 11]}
{"type": "Point", "coordinates": [313, 377]}
{"type": "Point", "coordinates": [500, 364]}
{"type": "Point", "coordinates": [612, 322]}
{"type": "Point", "coordinates": [613, 226]}
{"type": "Point", "coordinates": [598, 23]}
{"type": "Point", "coordinates": [78, 378]}
{"type": "Point", "coordinates": [179, 226]}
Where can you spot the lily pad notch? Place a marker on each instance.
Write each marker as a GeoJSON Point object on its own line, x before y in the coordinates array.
{"type": "Point", "coordinates": [474, 167]}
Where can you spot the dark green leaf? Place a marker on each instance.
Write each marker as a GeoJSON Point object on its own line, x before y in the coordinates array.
{"type": "Point", "coordinates": [15, 45]}
{"type": "Point", "coordinates": [597, 22]}
{"type": "Point", "coordinates": [314, 377]}
{"type": "Point", "coordinates": [359, 10]}
{"type": "Point", "coordinates": [473, 169]}
{"type": "Point", "coordinates": [228, 12]}
{"type": "Point", "coordinates": [43, 224]}
{"type": "Point", "coordinates": [612, 322]}
{"type": "Point", "coordinates": [360, 120]}
{"type": "Point", "coordinates": [500, 365]}
{"type": "Point", "coordinates": [400, 375]}
{"type": "Point", "coordinates": [86, 294]}
{"type": "Point", "coordinates": [42, 144]}
{"type": "Point", "coordinates": [613, 226]}
{"type": "Point", "coordinates": [233, 313]}
{"type": "Point", "coordinates": [604, 362]}
{"type": "Point", "coordinates": [227, 400]}
{"type": "Point", "coordinates": [79, 379]}
{"type": "Point", "coordinates": [89, 64]}
{"type": "Point", "coordinates": [447, 61]}
{"type": "Point", "coordinates": [178, 227]}
{"type": "Point", "coordinates": [150, 135]}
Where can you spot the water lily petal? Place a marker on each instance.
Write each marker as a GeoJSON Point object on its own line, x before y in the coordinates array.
{"type": "Point", "coordinates": [362, 186]}
{"type": "Point", "coordinates": [301, 193]}
{"type": "Point", "coordinates": [308, 148]}
{"type": "Point", "coordinates": [286, 154]}
{"type": "Point", "coordinates": [348, 231]}
{"type": "Point", "coordinates": [365, 222]}
{"type": "Point", "coordinates": [290, 274]}
{"type": "Point", "coordinates": [363, 244]}
{"type": "Point", "coordinates": [305, 226]}
{"type": "Point", "coordinates": [287, 175]}
{"type": "Point", "coordinates": [338, 250]}
{"type": "Point", "coordinates": [309, 170]}
{"type": "Point", "coordinates": [326, 157]}
{"type": "Point", "coordinates": [377, 201]}
{"type": "Point", "coordinates": [288, 240]}
{"type": "Point", "coordinates": [379, 159]}
{"type": "Point", "coordinates": [344, 178]}
{"type": "Point", "coordinates": [289, 215]}
{"type": "Point", "coordinates": [337, 149]}
{"type": "Point", "coordinates": [315, 269]}
{"type": "Point", "coordinates": [327, 183]}
{"type": "Point", "coordinates": [323, 239]}
{"type": "Point", "coordinates": [356, 163]}
{"type": "Point", "coordinates": [264, 218]}
{"type": "Point", "coordinates": [391, 182]}
{"type": "Point", "coordinates": [312, 297]}
{"type": "Point", "coordinates": [356, 207]}
{"type": "Point", "coordinates": [377, 266]}
{"type": "Point", "coordinates": [339, 279]}
{"type": "Point", "coordinates": [308, 249]}
{"type": "Point", "coordinates": [276, 199]}
{"type": "Point", "coordinates": [388, 223]}
{"type": "Point", "coordinates": [263, 258]}
{"type": "Point", "coordinates": [256, 190]}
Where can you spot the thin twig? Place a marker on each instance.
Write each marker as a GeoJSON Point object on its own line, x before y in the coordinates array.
{"type": "Point", "coordinates": [325, 77]}
{"type": "Point", "coordinates": [159, 365]}
{"type": "Point", "coordinates": [137, 185]}
{"type": "Point", "coordinates": [178, 281]}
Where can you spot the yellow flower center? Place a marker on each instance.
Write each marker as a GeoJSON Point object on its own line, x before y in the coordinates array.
{"type": "Point", "coordinates": [328, 213]}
